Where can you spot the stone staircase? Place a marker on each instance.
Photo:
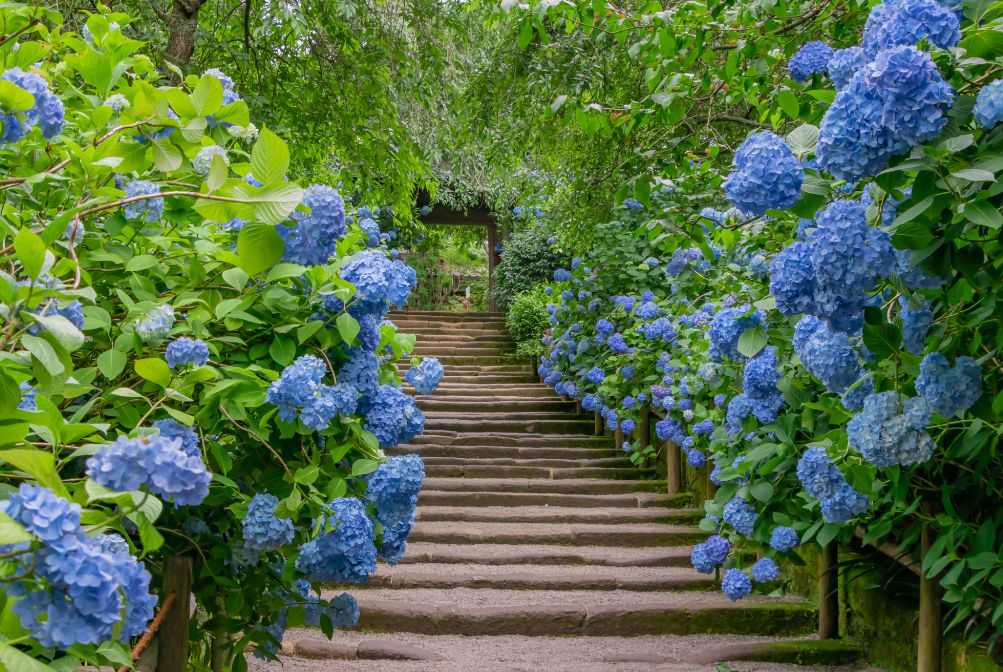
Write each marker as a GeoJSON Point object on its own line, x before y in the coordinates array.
{"type": "Point", "coordinates": [538, 546]}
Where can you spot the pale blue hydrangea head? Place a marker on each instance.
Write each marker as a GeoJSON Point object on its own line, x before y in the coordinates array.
{"type": "Point", "coordinates": [764, 570]}
{"type": "Point", "coordinates": [262, 529]}
{"type": "Point", "coordinates": [172, 429]}
{"type": "Point", "coordinates": [149, 209]}
{"type": "Point", "coordinates": [890, 431]}
{"type": "Point", "coordinates": [158, 462]}
{"type": "Point", "coordinates": [843, 505]}
{"type": "Point", "coordinates": [736, 584]}
{"type": "Point", "coordinates": [47, 111]}
{"type": "Point", "coordinates": [989, 105]}
{"type": "Point", "coordinates": [426, 376]}
{"type": "Point", "coordinates": [203, 159]}
{"type": "Point", "coordinates": [740, 515]}
{"type": "Point", "coordinates": [915, 324]}
{"type": "Point", "coordinates": [727, 326]}
{"type": "Point", "coordinates": [394, 487]}
{"type": "Point", "coordinates": [766, 175]}
{"type": "Point", "coordinates": [696, 458]}
{"type": "Point", "coordinates": [393, 417]}
{"type": "Point", "coordinates": [345, 550]}
{"type": "Point", "coordinates": [828, 355]}
{"type": "Point", "coordinates": [811, 58]}
{"type": "Point", "coordinates": [949, 391]}
{"type": "Point", "coordinates": [313, 237]}
{"type": "Point", "coordinates": [783, 538]}
{"type": "Point", "coordinates": [896, 23]}
{"type": "Point", "coordinates": [184, 350]}
{"type": "Point", "coordinates": [844, 63]}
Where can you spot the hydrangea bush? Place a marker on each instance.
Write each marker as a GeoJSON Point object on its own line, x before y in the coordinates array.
{"type": "Point", "coordinates": [197, 362]}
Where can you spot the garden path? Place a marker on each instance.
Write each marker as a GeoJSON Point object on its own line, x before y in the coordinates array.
{"type": "Point", "coordinates": [538, 547]}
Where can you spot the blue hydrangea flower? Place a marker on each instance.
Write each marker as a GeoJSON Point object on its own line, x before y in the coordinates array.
{"type": "Point", "coordinates": [885, 435]}
{"type": "Point", "coordinates": [844, 504]}
{"type": "Point", "coordinates": [627, 425]}
{"type": "Point", "coordinates": [203, 159]}
{"type": "Point", "coordinates": [299, 393]}
{"type": "Point", "coordinates": [28, 402]}
{"type": "Point", "coordinates": [736, 584]}
{"type": "Point", "coordinates": [896, 23]}
{"type": "Point", "coordinates": [379, 280]}
{"type": "Point", "coordinates": [825, 482]}
{"type": "Point", "coordinates": [783, 539]}
{"type": "Point", "coordinates": [893, 103]}
{"type": "Point", "coordinates": [703, 427]}
{"type": "Point", "coordinates": [562, 275]}
{"type": "Point", "coordinates": [627, 372]}
{"type": "Point", "coordinates": [394, 542]}
{"type": "Point", "coordinates": [617, 343]}
{"type": "Point", "coordinates": [913, 276]}
{"type": "Point", "coordinates": [949, 391]}
{"type": "Point", "coordinates": [844, 63]}
{"type": "Point", "coordinates": [766, 175]}
{"type": "Point", "coordinates": [426, 376]}
{"type": "Point", "coordinates": [595, 375]}
{"type": "Point", "coordinates": [741, 515]}
{"type": "Point", "coordinates": [262, 529]}
{"type": "Point", "coordinates": [915, 325]}
{"type": "Point", "coordinates": [632, 203]}
{"type": "Point", "coordinates": [700, 560]}
{"type": "Point", "coordinates": [727, 326]}
{"type": "Point", "coordinates": [764, 570]}
{"type": "Point", "coordinates": [989, 105]}
{"type": "Point", "coordinates": [695, 458]}
{"type": "Point", "coordinates": [811, 58]}
{"type": "Point", "coordinates": [172, 429]}
{"type": "Point", "coordinates": [394, 486]}
{"type": "Point", "coordinates": [186, 350]}
{"type": "Point", "coordinates": [47, 111]}
{"type": "Point", "coordinates": [717, 548]}
{"type": "Point", "coordinates": [604, 327]}
{"type": "Point", "coordinates": [828, 355]}
{"type": "Point", "coordinates": [393, 417]}
{"type": "Point", "coordinates": [158, 462]}
{"type": "Point", "coordinates": [149, 209]}
{"type": "Point", "coordinates": [345, 550]}
{"type": "Point", "coordinates": [313, 237]}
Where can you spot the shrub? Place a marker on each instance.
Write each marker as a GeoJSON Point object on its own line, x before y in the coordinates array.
{"type": "Point", "coordinates": [527, 320]}
{"type": "Point", "coordinates": [527, 260]}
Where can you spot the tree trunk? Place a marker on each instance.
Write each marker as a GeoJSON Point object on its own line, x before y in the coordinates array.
{"type": "Point", "coordinates": [182, 23]}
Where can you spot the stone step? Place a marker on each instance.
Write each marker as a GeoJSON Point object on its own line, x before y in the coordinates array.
{"type": "Point", "coordinates": [444, 352]}
{"type": "Point", "coordinates": [452, 438]}
{"type": "Point", "coordinates": [491, 358]}
{"type": "Point", "coordinates": [502, 391]}
{"type": "Point", "coordinates": [546, 554]}
{"type": "Point", "coordinates": [431, 327]}
{"type": "Point", "coordinates": [450, 314]}
{"type": "Point", "coordinates": [307, 650]}
{"type": "Point", "coordinates": [487, 498]}
{"type": "Point", "coordinates": [556, 514]}
{"type": "Point", "coordinates": [608, 462]}
{"type": "Point", "coordinates": [510, 452]}
{"type": "Point", "coordinates": [456, 404]}
{"type": "Point", "coordinates": [533, 425]}
{"type": "Point", "coordinates": [498, 413]}
{"type": "Point", "coordinates": [539, 485]}
{"type": "Point", "coordinates": [552, 613]}
{"type": "Point", "coordinates": [505, 367]}
{"type": "Point", "coordinates": [618, 535]}
{"type": "Point", "coordinates": [515, 471]}
{"type": "Point", "coordinates": [536, 577]}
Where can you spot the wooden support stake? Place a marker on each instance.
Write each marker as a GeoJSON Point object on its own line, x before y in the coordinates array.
{"type": "Point", "coordinates": [598, 431]}
{"type": "Point", "coordinates": [828, 592]}
{"type": "Point", "coordinates": [144, 641]}
{"type": "Point", "coordinates": [644, 427]}
{"type": "Point", "coordinates": [172, 653]}
{"type": "Point", "coordinates": [928, 655]}
{"type": "Point", "coordinates": [673, 469]}
{"type": "Point", "coordinates": [618, 436]}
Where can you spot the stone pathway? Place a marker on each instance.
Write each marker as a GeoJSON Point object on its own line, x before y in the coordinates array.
{"type": "Point", "coordinates": [538, 547]}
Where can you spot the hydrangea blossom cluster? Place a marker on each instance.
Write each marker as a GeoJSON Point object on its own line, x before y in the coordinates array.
{"type": "Point", "coordinates": [203, 159]}
{"type": "Point", "coordinates": [300, 393]}
{"type": "Point", "coordinates": [886, 435]}
{"type": "Point", "coordinates": [811, 58]}
{"type": "Point", "coordinates": [783, 538]}
{"type": "Point", "coordinates": [426, 376]}
{"type": "Point", "coordinates": [949, 391]}
{"type": "Point", "coordinates": [683, 258]}
{"type": "Point", "coordinates": [345, 550]}
{"type": "Point", "coordinates": [379, 282]}
{"type": "Point", "coordinates": [829, 356]}
{"type": "Point", "coordinates": [85, 590]}
{"type": "Point", "coordinates": [894, 102]}
{"type": "Point", "coordinates": [156, 325]}
{"type": "Point", "coordinates": [896, 23]}
{"type": "Point", "coordinates": [186, 350]}
{"type": "Point", "coordinates": [824, 481]}
{"type": "Point", "coordinates": [170, 428]}
{"type": "Point", "coordinates": [312, 237]}
{"type": "Point", "coordinates": [915, 325]}
{"type": "Point", "coordinates": [741, 515]}
{"type": "Point", "coordinates": [709, 554]}
{"type": "Point", "coordinates": [766, 175]}
{"type": "Point", "coordinates": [47, 111]}
{"type": "Point", "coordinates": [844, 63]}
{"type": "Point", "coordinates": [394, 486]}
{"type": "Point", "coordinates": [989, 105]}
{"type": "Point", "coordinates": [760, 396]}
{"type": "Point", "coordinates": [147, 209]}
{"type": "Point", "coordinates": [392, 416]}
{"type": "Point", "coordinates": [696, 458]}
{"type": "Point", "coordinates": [736, 584]}
{"type": "Point", "coordinates": [158, 462]}
{"type": "Point", "coordinates": [263, 530]}
{"type": "Point", "coordinates": [764, 570]}
{"type": "Point", "coordinates": [727, 326]}
{"type": "Point", "coordinates": [829, 274]}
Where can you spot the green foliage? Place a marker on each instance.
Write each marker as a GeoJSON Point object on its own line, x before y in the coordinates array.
{"type": "Point", "coordinates": [526, 260]}
{"type": "Point", "coordinates": [527, 320]}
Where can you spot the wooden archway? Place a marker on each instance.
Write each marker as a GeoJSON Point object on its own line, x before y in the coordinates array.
{"type": "Point", "coordinates": [472, 216]}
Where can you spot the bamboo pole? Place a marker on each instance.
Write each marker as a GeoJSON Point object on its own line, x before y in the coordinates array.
{"type": "Point", "coordinates": [172, 653]}
{"type": "Point", "coordinates": [828, 592]}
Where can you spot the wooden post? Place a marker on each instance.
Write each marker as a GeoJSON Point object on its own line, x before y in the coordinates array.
{"type": "Point", "coordinates": [492, 239]}
{"type": "Point", "coordinates": [172, 651]}
{"type": "Point", "coordinates": [644, 426]}
{"type": "Point", "coordinates": [673, 469]}
{"type": "Point", "coordinates": [618, 436]}
{"type": "Point", "coordinates": [828, 592]}
{"type": "Point", "coordinates": [598, 430]}
{"type": "Point", "coordinates": [928, 654]}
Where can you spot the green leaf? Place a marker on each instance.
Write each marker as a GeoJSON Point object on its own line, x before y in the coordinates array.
{"type": "Point", "coordinates": [912, 236]}
{"type": "Point", "coordinates": [207, 98]}
{"type": "Point", "coordinates": [30, 252]}
{"type": "Point", "coordinates": [803, 139]}
{"type": "Point", "coordinates": [269, 158]}
{"type": "Point", "coordinates": [116, 652]}
{"type": "Point", "coordinates": [44, 353]}
{"type": "Point", "coordinates": [13, 98]}
{"type": "Point", "coordinates": [364, 466]}
{"type": "Point", "coordinates": [259, 247]}
{"type": "Point", "coordinates": [306, 475]}
{"type": "Point", "coordinates": [348, 327]}
{"type": "Point", "coordinates": [154, 370]}
{"type": "Point", "coordinates": [271, 205]}
{"type": "Point", "coordinates": [282, 350]}
{"type": "Point", "coordinates": [12, 532]}
{"type": "Point", "coordinates": [763, 491]}
{"type": "Point", "coordinates": [789, 103]}
{"type": "Point", "coordinates": [38, 464]}
{"type": "Point", "coordinates": [974, 175]}
{"type": "Point", "coordinates": [15, 660]}
{"type": "Point", "coordinates": [285, 270]}
{"type": "Point", "coordinates": [10, 394]}
{"type": "Point", "coordinates": [556, 105]}
{"type": "Point", "coordinates": [913, 212]}
{"type": "Point", "coordinates": [148, 535]}
{"type": "Point", "coordinates": [983, 213]}
{"type": "Point", "coordinates": [752, 341]}
{"type": "Point", "coordinates": [236, 277]}
{"type": "Point", "coordinates": [62, 330]}
{"type": "Point", "coordinates": [166, 157]}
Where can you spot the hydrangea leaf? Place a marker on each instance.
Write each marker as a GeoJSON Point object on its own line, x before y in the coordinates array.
{"type": "Point", "coordinates": [12, 532]}
{"type": "Point", "coordinates": [259, 247]}
{"type": "Point", "coordinates": [38, 464]}
{"type": "Point", "coordinates": [752, 341]}
{"type": "Point", "coordinates": [13, 98]}
{"type": "Point", "coordinates": [348, 327]}
{"type": "Point", "coordinates": [62, 330]}
{"type": "Point", "coordinates": [269, 158]}
{"type": "Point", "coordinates": [154, 370]}
{"type": "Point", "coordinates": [15, 660]}
{"type": "Point", "coordinates": [207, 98]}
{"type": "Point", "coordinates": [30, 252]}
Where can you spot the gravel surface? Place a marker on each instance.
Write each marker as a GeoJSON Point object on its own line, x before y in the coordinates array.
{"type": "Point", "coordinates": [535, 654]}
